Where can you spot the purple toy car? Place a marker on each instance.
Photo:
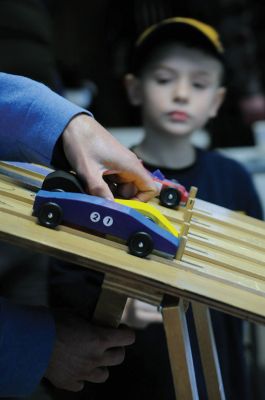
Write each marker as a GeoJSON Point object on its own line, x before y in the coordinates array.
{"type": "Point", "coordinates": [107, 217]}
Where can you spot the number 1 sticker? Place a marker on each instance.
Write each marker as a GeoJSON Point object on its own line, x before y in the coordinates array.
{"type": "Point", "coordinates": [108, 221]}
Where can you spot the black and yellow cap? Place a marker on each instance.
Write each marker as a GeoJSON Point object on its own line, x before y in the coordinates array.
{"type": "Point", "coordinates": [179, 28]}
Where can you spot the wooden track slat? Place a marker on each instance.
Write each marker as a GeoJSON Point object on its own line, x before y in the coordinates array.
{"type": "Point", "coordinates": [234, 262]}
{"type": "Point", "coordinates": [211, 209]}
{"type": "Point", "coordinates": [244, 249]}
{"type": "Point", "coordinates": [230, 226]}
{"type": "Point", "coordinates": [22, 171]}
{"type": "Point", "coordinates": [211, 229]}
{"type": "Point", "coordinates": [216, 274]}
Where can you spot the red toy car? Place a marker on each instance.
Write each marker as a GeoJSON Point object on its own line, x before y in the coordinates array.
{"type": "Point", "coordinates": [172, 193]}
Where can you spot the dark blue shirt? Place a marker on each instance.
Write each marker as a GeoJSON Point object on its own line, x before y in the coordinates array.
{"type": "Point", "coordinates": [220, 180]}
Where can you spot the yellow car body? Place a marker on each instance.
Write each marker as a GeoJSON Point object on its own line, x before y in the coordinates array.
{"type": "Point", "coordinates": [150, 212]}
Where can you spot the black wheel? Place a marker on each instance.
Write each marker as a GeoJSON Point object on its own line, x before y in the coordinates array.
{"type": "Point", "coordinates": [140, 244]}
{"type": "Point", "coordinates": [170, 197]}
{"type": "Point", "coordinates": [62, 181]}
{"type": "Point", "coordinates": [50, 215]}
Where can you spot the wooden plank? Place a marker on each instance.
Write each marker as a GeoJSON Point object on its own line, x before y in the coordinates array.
{"type": "Point", "coordinates": [235, 261]}
{"type": "Point", "coordinates": [109, 308]}
{"type": "Point", "coordinates": [179, 350]}
{"type": "Point", "coordinates": [37, 172]}
{"type": "Point", "coordinates": [208, 353]}
{"type": "Point", "coordinates": [211, 209]}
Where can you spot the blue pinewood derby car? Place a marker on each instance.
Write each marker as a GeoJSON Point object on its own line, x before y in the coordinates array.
{"type": "Point", "coordinates": [144, 231]}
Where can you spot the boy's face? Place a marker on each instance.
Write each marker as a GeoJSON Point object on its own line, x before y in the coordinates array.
{"type": "Point", "coordinates": [178, 90]}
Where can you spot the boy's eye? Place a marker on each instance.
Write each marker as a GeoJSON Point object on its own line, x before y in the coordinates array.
{"type": "Point", "coordinates": [163, 80]}
{"type": "Point", "coordinates": [200, 85]}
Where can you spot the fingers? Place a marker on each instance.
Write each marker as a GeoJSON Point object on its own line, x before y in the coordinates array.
{"type": "Point", "coordinates": [146, 187]}
{"type": "Point", "coordinates": [83, 352]}
{"type": "Point", "coordinates": [94, 183]}
{"type": "Point", "coordinates": [145, 196]}
{"type": "Point", "coordinates": [99, 375]}
{"type": "Point", "coordinates": [113, 357]}
{"type": "Point", "coordinates": [100, 372]}
{"type": "Point", "coordinates": [117, 337]}
{"type": "Point", "coordinates": [128, 185]}
{"type": "Point", "coordinates": [141, 187]}
{"type": "Point", "coordinates": [91, 151]}
{"type": "Point", "coordinates": [126, 191]}
{"type": "Point", "coordinates": [71, 385]}
{"type": "Point", "coordinates": [99, 188]}
{"type": "Point", "coordinates": [110, 358]}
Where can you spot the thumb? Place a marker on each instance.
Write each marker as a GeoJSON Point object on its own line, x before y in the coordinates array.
{"type": "Point", "coordinates": [96, 186]}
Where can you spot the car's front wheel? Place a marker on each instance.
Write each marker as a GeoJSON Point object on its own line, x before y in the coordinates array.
{"type": "Point", "coordinates": [50, 215]}
{"type": "Point", "coordinates": [141, 244]}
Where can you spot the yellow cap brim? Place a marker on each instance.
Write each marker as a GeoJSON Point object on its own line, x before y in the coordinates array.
{"type": "Point", "coordinates": [206, 30]}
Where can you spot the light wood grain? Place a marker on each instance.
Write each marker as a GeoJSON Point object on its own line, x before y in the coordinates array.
{"type": "Point", "coordinates": [179, 349]}
{"type": "Point", "coordinates": [208, 353]}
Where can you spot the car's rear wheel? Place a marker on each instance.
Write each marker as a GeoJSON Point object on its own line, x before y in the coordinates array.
{"type": "Point", "coordinates": [62, 181]}
{"type": "Point", "coordinates": [140, 244]}
{"type": "Point", "coordinates": [50, 215]}
{"type": "Point", "coordinates": [170, 197]}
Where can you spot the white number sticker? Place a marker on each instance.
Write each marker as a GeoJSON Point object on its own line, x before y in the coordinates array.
{"type": "Point", "coordinates": [108, 221]}
{"type": "Point", "coordinates": [95, 216]}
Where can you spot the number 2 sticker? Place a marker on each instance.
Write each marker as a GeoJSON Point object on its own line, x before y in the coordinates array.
{"type": "Point", "coordinates": [95, 216]}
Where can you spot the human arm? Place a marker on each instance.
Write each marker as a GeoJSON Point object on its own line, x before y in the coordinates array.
{"type": "Point", "coordinates": [33, 118]}
{"type": "Point", "coordinates": [37, 125]}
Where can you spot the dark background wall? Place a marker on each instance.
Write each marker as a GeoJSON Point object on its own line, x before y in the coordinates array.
{"type": "Point", "coordinates": [89, 40]}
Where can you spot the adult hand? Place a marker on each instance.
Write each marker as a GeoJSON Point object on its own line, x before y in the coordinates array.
{"type": "Point", "coordinates": [92, 151]}
{"type": "Point", "coordinates": [83, 352]}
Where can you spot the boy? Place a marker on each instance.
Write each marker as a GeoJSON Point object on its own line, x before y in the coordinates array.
{"type": "Point", "coordinates": [178, 82]}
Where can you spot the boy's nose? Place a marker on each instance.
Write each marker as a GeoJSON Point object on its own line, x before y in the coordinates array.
{"type": "Point", "coordinates": [181, 91]}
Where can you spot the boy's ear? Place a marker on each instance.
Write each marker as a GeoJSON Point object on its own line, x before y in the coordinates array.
{"type": "Point", "coordinates": [133, 88]}
{"type": "Point", "coordinates": [219, 98]}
